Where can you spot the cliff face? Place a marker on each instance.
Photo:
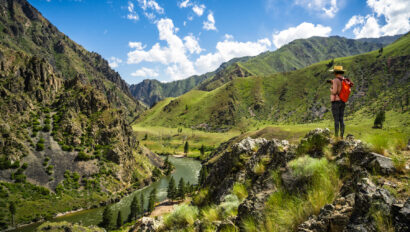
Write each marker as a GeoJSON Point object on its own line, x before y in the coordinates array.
{"type": "Point", "coordinates": [62, 108]}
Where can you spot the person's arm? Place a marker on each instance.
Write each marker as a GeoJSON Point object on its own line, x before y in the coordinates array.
{"type": "Point", "coordinates": [334, 88]}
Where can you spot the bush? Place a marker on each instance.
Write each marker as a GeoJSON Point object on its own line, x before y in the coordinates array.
{"type": "Point", "coordinates": [40, 146]}
{"type": "Point", "coordinates": [82, 156]}
{"type": "Point", "coordinates": [210, 213]}
{"type": "Point", "coordinates": [240, 191]}
{"type": "Point", "coordinates": [183, 215]}
{"type": "Point", "coordinates": [286, 210]}
{"type": "Point", "coordinates": [66, 147]}
{"type": "Point", "coordinates": [379, 120]}
{"type": "Point", "coordinates": [46, 128]}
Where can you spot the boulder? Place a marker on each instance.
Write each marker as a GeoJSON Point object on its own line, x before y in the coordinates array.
{"type": "Point", "coordinates": [314, 142]}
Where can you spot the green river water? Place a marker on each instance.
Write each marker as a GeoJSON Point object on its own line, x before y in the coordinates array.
{"type": "Point", "coordinates": [184, 167]}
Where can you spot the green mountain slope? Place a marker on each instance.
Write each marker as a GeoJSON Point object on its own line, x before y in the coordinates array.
{"type": "Point", "coordinates": [381, 81]}
{"type": "Point", "coordinates": [64, 121]}
{"type": "Point", "coordinates": [297, 54]}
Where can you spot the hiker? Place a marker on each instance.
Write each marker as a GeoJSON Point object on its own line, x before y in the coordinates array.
{"type": "Point", "coordinates": [339, 94]}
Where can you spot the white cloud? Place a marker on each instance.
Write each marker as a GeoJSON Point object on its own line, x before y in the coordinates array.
{"type": "Point", "coordinates": [132, 15]}
{"type": "Point", "coordinates": [210, 23]}
{"type": "Point", "coordinates": [137, 45]}
{"type": "Point", "coordinates": [114, 62]}
{"type": "Point", "coordinates": [355, 20]}
{"type": "Point", "coordinates": [145, 72]}
{"type": "Point", "coordinates": [394, 14]}
{"type": "Point", "coordinates": [184, 4]}
{"type": "Point", "coordinates": [227, 50]}
{"type": "Point", "coordinates": [174, 55]}
{"type": "Point", "coordinates": [228, 37]}
{"type": "Point", "coordinates": [151, 4]}
{"type": "Point", "coordinates": [302, 31]}
{"type": "Point", "coordinates": [191, 43]}
{"type": "Point", "coordinates": [327, 7]}
{"type": "Point", "coordinates": [198, 9]}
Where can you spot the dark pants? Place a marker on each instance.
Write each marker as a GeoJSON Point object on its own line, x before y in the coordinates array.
{"type": "Point", "coordinates": [338, 110]}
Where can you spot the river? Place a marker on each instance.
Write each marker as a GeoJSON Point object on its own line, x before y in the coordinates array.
{"type": "Point", "coordinates": [184, 167]}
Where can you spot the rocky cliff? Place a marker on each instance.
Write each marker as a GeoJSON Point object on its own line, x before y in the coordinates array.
{"type": "Point", "coordinates": [64, 116]}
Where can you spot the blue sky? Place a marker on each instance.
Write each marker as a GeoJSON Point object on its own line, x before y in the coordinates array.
{"type": "Point", "coordinates": [170, 40]}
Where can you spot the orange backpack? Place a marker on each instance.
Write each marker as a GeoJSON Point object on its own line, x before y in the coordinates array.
{"type": "Point", "coordinates": [345, 90]}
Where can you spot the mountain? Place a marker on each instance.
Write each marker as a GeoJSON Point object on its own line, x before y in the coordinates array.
{"type": "Point", "coordinates": [153, 91]}
{"type": "Point", "coordinates": [64, 121]}
{"type": "Point", "coordinates": [380, 77]}
{"type": "Point", "coordinates": [297, 54]}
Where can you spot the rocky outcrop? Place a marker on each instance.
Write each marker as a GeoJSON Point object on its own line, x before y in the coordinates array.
{"type": "Point", "coordinates": [360, 205]}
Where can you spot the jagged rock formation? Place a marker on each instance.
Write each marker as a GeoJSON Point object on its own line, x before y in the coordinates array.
{"type": "Point", "coordinates": [360, 204]}
{"type": "Point", "coordinates": [64, 113]}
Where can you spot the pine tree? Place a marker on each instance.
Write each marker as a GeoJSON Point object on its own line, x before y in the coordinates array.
{"type": "Point", "coordinates": [152, 200]}
{"type": "Point", "coordinates": [202, 150]}
{"type": "Point", "coordinates": [171, 189]}
{"type": "Point", "coordinates": [107, 218]}
{"type": "Point", "coordinates": [186, 147]}
{"type": "Point", "coordinates": [181, 188]}
{"type": "Point", "coordinates": [202, 175]}
{"type": "Point", "coordinates": [12, 209]}
{"type": "Point", "coordinates": [134, 208]}
{"type": "Point", "coordinates": [380, 118]}
{"type": "Point", "coordinates": [119, 219]}
{"type": "Point", "coordinates": [142, 201]}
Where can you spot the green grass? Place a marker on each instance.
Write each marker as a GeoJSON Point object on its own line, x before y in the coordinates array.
{"type": "Point", "coordinates": [165, 140]}
{"type": "Point", "coordinates": [240, 191]}
{"type": "Point", "coordinates": [285, 210]}
{"type": "Point", "coordinates": [183, 216]}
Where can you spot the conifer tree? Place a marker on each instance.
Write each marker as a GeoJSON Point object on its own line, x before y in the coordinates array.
{"type": "Point", "coordinates": [119, 219]}
{"type": "Point", "coordinates": [152, 200]}
{"type": "Point", "coordinates": [12, 209]}
{"type": "Point", "coordinates": [107, 218]}
{"type": "Point", "coordinates": [171, 189]}
{"type": "Point", "coordinates": [186, 147]}
{"type": "Point", "coordinates": [142, 201]}
{"type": "Point", "coordinates": [181, 188]}
{"type": "Point", "coordinates": [134, 208]}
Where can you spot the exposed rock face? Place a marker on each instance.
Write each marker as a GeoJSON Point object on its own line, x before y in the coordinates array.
{"type": "Point", "coordinates": [359, 204]}
{"type": "Point", "coordinates": [147, 224]}
{"type": "Point", "coordinates": [57, 101]}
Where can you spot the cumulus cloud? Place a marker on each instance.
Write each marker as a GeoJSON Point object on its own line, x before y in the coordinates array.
{"type": "Point", "coordinates": [145, 72]}
{"type": "Point", "coordinates": [326, 7]}
{"type": "Point", "coordinates": [302, 31]}
{"type": "Point", "coordinates": [229, 49]}
{"type": "Point", "coordinates": [114, 62]}
{"type": "Point", "coordinates": [191, 43]}
{"type": "Point", "coordinates": [132, 15]}
{"type": "Point", "coordinates": [151, 4]}
{"type": "Point", "coordinates": [389, 17]}
{"type": "Point", "coordinates": [198, 9]}
{"type": "Point", "coordinates": [174, 55]}
{"type": "Point", "coordinates": [184, 4]}
{"type": "Point", "coordinates": [210, 23]}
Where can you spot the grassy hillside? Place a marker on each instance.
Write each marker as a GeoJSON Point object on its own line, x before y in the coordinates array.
{"type": "Point", "coordinates": [297, 54]}
{"type": "Point", "coordinates": [381, 82]}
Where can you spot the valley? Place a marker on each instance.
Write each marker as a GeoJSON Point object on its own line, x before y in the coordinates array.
{"type": "Point", "coordinates": [248, 146]}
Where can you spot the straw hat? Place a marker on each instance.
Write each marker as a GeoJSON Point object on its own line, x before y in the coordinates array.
{"type": "Point", "coordinates": [337, 69]}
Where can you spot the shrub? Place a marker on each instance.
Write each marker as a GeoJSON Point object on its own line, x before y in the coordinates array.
{"type": "Point", "coordinates": [201, 198]}
{"type": "Point", "coordinates": [66, 147]}
{"type": "Point", "coordinates": [379, 120]}
{"type": "Point", "coordinates": [46, 128]}
{"type": "Point", "coordinates": [259, 168]}
{"type": "Point", "coordinates": [49, 169]}
{"type": "Point", "coordinates": [210, 213]}
{"type": "Point", "coordinates": [183, 215]}
{"type": "Point", "coordinates": [230, 205]}
{"type": "Point", "coordinates": [286, 210]}
{"type": "Point", "coordinates": [40, 146]}
{"type": "Point", "coordinates": [82, 156]}
{"type": "Point", "coordinates": [240, 191]}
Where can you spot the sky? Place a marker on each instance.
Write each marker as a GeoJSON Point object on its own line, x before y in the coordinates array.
{"type": "Point", "coordinates": [171, 40]}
